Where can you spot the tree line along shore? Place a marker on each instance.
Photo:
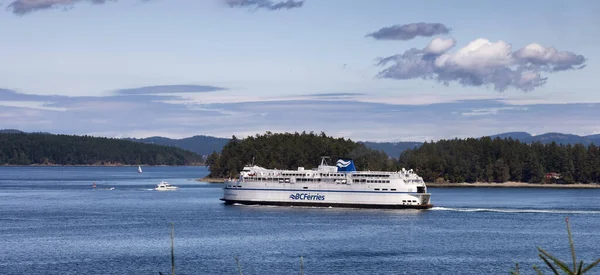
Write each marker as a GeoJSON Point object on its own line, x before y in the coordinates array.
{"type": "Point", "coordinates": [457, 162]}
{"type": "Point", "coordinates": [53, 150]}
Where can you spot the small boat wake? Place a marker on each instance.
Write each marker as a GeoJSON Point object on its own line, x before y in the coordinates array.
{"type": "Point", "coordinates": [515, 210]}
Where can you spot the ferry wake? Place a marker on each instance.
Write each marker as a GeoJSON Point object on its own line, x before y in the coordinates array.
{"type": "Point", "coordinates": [337, 185]}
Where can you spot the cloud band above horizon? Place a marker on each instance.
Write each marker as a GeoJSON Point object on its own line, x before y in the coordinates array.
{"type": "Point", "coordinates": [177, 116]}
{"type": "Point", "coordinates": [169, 89]}
{"type": "Point", "coordinates": [265, 4]}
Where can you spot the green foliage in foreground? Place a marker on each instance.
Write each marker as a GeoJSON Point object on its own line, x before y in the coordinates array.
{"type": "Point", "coordinates": [290, 151]}
{"type": "Point", "coordinates": [501, 160]}
{"type": "Point", "coordinates": [556, 264]}
{"type": "Point", "coordinates": [27, 149]}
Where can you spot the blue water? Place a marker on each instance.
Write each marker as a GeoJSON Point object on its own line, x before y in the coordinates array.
{"type": "Point", "coordinates": [53, 222]}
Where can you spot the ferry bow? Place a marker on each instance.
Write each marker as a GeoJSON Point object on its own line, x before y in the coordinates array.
{"type": "Point", "coordinates": [337, 185]}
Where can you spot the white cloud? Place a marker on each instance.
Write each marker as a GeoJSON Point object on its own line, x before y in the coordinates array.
{"type": "Point", "coordinates": [492, 111]}
{"type": "Point", "coordinates": [439, 46]}
{"type": "Point", "coordinates": [480, 54]}
{"type": "Point", "coordinates": [550, 57]}
{"type": "Point", "coordinates": [481, 62]}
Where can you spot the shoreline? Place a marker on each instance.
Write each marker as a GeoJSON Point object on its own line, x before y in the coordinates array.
{"type": "Point", "coordinates": [91, 165]}
{"type": "Point", "coordinates": [475, 185]}
{"type": "Point", "coordinates": [212, 180]}
{"type": "Point", "coordinates": [512, 185]}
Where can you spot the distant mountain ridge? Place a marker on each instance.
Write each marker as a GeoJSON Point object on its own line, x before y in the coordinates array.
{"type": "Point", "coordinates": [514, 135]}
{"type": "Point", "coordinates": [15, 131]}
{"type": "Point", "coordinates": [10, 131]}
{"type": "Point", "coordinates": [205, 145]}
{"type": "Point", "coordinates": [546, 138]}
{"type": "Point", "coordinates": [392, 149]}
{"type": "Point", "coordinates": [200, 144]}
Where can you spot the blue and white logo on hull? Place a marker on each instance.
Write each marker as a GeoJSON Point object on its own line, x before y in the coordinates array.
{"type": "Point", "coordinates": [345, 165]}
{"type": "Point", "coordinates": [306, 196]}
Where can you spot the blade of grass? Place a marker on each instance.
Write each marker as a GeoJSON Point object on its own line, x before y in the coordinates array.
{"type": "Point", "coordinates": [572, 245]}
{"type": "Point", "coordinates": [590, 266]}
{"type": "Point", "coordinates": [238, 264]}
{"type": "Point", "coordinates": [172, 249]}
{"type": "Point", "coordinates": [558, 262]}
{"type": "Point", "coordinates": [516, 271]}
{"type": "Point", "coordinates": [549, 264]}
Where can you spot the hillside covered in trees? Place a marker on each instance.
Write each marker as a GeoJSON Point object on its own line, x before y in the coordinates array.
{"type": "Point", "coordinates": [27, 149]}
{"type": "Point", "coordinates": [458, 160]}
{"type": "Point", "coordinates": [290, 151]}
{"type": "Point", "coordinates": [501, 160]}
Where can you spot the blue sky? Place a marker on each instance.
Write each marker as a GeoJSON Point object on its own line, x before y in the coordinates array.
{"type": "Point", "coordinates": [179, 68]}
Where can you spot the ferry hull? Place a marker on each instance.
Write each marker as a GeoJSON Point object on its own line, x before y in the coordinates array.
{"type": "Point", "coordinates": [357, 198]}
{"type": "Point", "coordinates": [321, 204]}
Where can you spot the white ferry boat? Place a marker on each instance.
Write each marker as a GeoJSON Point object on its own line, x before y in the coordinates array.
{"type": "Point", "coordinates": [336, 186]}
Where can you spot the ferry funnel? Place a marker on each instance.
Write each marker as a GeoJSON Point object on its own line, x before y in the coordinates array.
{"type": "Point", "coordinates": [345, 165]}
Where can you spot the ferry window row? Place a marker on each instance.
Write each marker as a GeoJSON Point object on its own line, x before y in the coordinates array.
{"type": "Point", "coordinates": [287, 180]}
{"type": "Point", "coordinates": [308, 175]}
{"type": "Point", "coordinates": [266, 179]}
{"type": "Point", "coordinates": [377, 181]}
{"type": "Point", "coordinates": [332, 175]}
{"type": "Point", "coordinates": [354, 180]}
{"type": "Point", "coordinates": [308, 180]}
{"type": "Point", "coordinates": [384, 189]}
{"type": "Point", "coordinates": [370, 176]}
{"type": "Point", "coordinates": [270, 175]}
{"type": "Point", "coordinates": [295, 175]}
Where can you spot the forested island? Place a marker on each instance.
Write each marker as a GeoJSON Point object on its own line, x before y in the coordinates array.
{"type": "Point", "coordinates": [448, 161]}
{"type": "Point", "coordinates": [501, 160]}
{"type": "Point", "coordinates": [50, 149]}
{"type": "Point", "coordinates": [289, 151]}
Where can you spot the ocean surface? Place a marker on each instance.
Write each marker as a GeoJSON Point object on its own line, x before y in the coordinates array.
{"type": "Point", "coordinates": [53, 222]}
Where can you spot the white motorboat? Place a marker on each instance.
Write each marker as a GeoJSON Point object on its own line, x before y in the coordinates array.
{"type": "Point", "coordinates": [164, 186]}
